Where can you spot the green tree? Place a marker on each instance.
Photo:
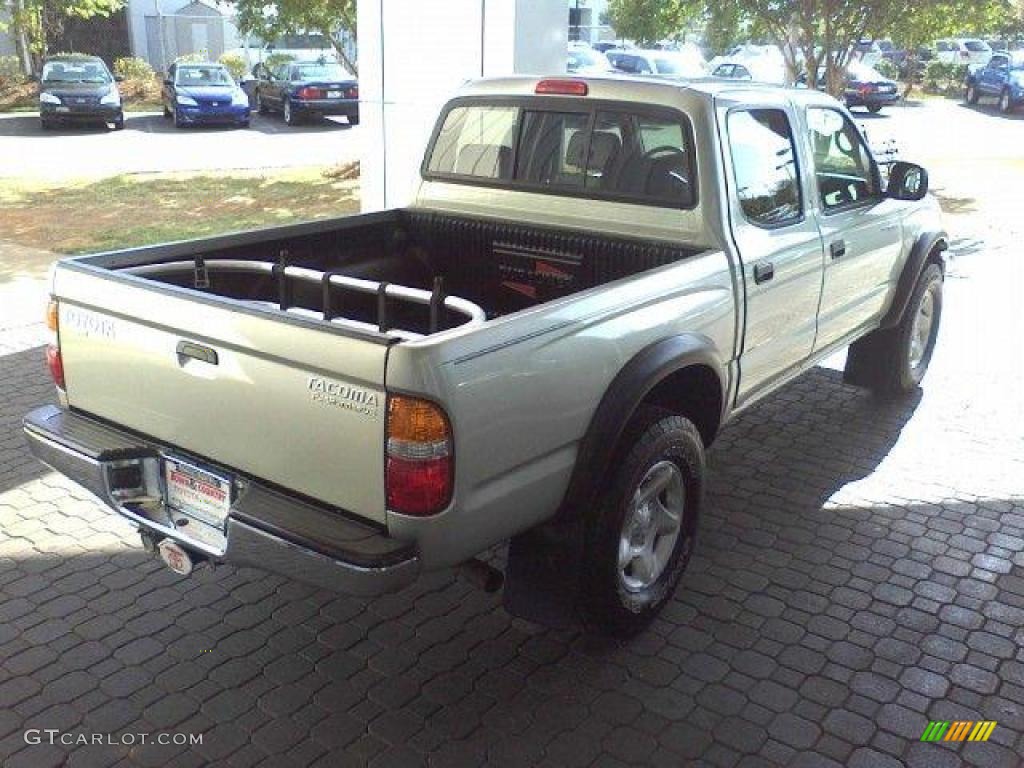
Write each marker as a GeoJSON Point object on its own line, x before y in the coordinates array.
{"type": "Point", "coordinates": [37, 23]}
{"type": "Point", "coordinates": [815, 36]}
{"type": "Point", "coordinates": [648, 21]}
{"type": "Point", "coordinates": [334, 19]}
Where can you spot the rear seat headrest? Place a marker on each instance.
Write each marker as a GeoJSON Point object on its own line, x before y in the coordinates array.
{"type": "Point", "coordinates": [604, 146]}
{"type": "Point", "coordinates": [485, 160]}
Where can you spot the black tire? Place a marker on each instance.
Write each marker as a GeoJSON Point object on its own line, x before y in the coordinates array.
{"type": "Point", "coordinates": [657, 441]}
{"type": "Point", "coordinates": [971, 95]}
{"type": "Point", "coordinates": [177, 122]}
{"type": "Point", "coordinates": [244, 124]}
{"type": "Point", "coordinates": [1005, 102]}
{"type": "Point", "coordinates": [46, 125]}
{"type": "Point", "coordinates": [119, 123]}
{"type": "Point", "coordinates": [290, 118]}
{"type": "Point", "coordinates": [353, 119]}
{"type": "Point", "coordinates": [874, 109]}
{"type": "Point", "coordinates": [887, 361]}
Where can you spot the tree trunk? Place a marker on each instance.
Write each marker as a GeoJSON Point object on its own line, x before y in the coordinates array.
{"type": "Point", "coordinates": [339, 49]}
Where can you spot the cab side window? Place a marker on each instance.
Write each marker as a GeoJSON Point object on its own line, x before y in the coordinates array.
{"type": "Point", "coordinates": [845, 171]}
{"type": "Point", "coordinates": [764, 165]}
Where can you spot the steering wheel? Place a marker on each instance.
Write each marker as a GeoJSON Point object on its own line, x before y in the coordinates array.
{"type": "Point", "coordinates": [667, 150]}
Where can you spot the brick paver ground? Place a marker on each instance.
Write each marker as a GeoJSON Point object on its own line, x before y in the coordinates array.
{"type": "Point", "coordinates": [860, 572]}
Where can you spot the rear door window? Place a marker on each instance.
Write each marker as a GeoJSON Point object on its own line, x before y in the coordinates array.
{"type": "Point", "coordinates": [764, 164]}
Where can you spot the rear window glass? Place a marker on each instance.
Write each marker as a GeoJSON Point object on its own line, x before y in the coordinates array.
{"type": "Point", "coordinates": [199, 75]}
{"type": "Point", "coordinates": [553, 148]}
{"type": "Point", "coordinates": [476, 141]}
{"type": "Point", "coordinates": [644, 158]}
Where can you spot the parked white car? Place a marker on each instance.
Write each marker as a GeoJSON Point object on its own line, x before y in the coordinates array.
{"type": "Point", "coordinates": [760, 63]}
{"type": "Point", "coordinates": [688, 61]}
{"type": "Point", "coordinates": [971, 51]}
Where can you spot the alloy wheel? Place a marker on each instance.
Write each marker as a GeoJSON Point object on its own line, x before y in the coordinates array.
{"type": "Point", "coordinates": [652, 526]}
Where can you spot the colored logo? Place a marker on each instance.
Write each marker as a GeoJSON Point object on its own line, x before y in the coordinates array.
{"type": "Point", "coordinates": [958, 730]}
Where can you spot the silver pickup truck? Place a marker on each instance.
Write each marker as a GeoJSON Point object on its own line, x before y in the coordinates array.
{"type": "Point", "coordinates": [595, 275]}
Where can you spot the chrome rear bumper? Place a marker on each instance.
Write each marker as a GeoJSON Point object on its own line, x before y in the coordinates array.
{"type": "Point", "coordinates": [265, 528]}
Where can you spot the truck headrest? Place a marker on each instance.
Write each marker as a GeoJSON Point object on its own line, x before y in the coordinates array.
{"type": "Point", "coordinates": [488, 161]}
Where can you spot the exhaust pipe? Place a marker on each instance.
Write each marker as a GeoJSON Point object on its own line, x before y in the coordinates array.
{"type": "Point", "coordinates": [481, 575]}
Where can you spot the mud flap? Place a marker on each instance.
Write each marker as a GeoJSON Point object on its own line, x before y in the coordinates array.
{"type": "Point", "coordinates": [544, 572]}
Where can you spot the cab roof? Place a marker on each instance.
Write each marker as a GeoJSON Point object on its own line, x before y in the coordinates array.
{"type": "Point", "coordinates": [650, 89]}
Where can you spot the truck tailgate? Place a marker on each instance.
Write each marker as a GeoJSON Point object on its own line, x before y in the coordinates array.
{"type": "Point", "coordinates": [273, 397]}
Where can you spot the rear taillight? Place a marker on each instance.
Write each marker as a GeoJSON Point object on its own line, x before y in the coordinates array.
{"type": "Point", "coordinates": [53, 359]}
{"type": "Point", "coordinates": [352, 93]}
{"type": "Point", "coordinates": [420, 457]}
{"type": "Point", "coordinates": [309, 93]}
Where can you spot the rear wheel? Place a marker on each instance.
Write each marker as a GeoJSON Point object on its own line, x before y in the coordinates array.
{"type": "Point", "coordinates": [971, 96]}
{"type": "Point", "coordinates": [289, 114]}
{"type": "Point", "coordinates": [353, 119]}
{"type": "Point", "coordinates": [642, 536]}
{"type": "Point", "coordinates": [1005, 103]}
{"type": "Point", "coordinates": [874, 108]}
{"type": "Point", "coordinates": [893, 361]}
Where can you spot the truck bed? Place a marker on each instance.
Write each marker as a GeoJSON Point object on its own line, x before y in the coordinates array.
{"type": "Point", "coordinates": [500, 267]}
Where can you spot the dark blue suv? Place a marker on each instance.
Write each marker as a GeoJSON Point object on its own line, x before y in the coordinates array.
{"type": "Point", "coordinates": [1002, 79]}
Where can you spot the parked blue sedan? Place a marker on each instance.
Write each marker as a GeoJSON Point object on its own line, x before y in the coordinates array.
{"type": "Point", "coordinates": [195, 94]}
{"type": "Point", "coordinates": [1002, 78]}
{"type": "Point", "coordinates": [307, 89]}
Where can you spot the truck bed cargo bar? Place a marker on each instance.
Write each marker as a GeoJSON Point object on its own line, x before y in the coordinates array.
{"type": "Point", "coordinates": [332, 305]}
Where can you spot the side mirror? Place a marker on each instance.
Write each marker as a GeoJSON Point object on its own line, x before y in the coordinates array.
{"type": "Point", "coordinates": [907, 181]}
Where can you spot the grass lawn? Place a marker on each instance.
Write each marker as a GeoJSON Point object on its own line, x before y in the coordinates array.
{"type": "Point", "coordinates": [125, 211]}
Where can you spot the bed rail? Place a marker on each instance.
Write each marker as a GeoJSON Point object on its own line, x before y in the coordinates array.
{"type": "Point", "coordinates": [333, 285]}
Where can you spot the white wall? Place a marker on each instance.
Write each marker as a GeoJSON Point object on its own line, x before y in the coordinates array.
{"type": "Point", "coordinates": [414, 54]}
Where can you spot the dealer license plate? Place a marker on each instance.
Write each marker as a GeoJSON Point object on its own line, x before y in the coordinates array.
{"type": "Point", "coordinates": [196, 492]}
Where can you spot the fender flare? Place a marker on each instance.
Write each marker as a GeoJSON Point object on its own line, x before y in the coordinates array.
{"type": "Point", "coordinates": [644, 371]}
{"type": "Point", "coordinates": [927, 244]}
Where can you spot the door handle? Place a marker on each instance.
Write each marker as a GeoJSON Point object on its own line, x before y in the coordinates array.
{"type": "Point", "coordinates": [763, 272]}
{"type": "Point", "coordinates": [188, 350]}
{"type": "Point", "coordinates": [837, 249]}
